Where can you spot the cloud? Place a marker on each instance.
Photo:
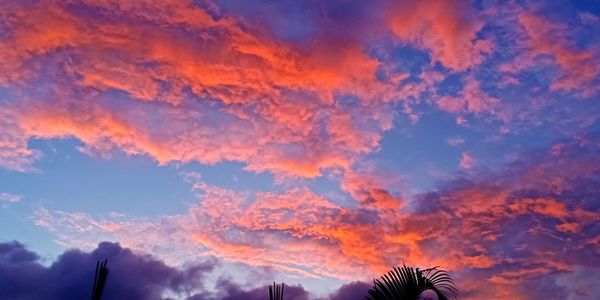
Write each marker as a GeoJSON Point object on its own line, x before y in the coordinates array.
{"type": "Point", "coordinates": [278, 105]}
{"type": "Point", "coordinates": [471, 100]}
{"type": "Point", "coordinates": [185, 81]}
{"type": "Point", "coordinates": [14, 153]}
{"type": "Point", "coordinates": [588, 18]}
{"type": "Point", "coordinates": [222, 89]}
{"type": "Point", "coordinates": [529, 223]}
{"type": "Point", "coordinates": [455, 141]}
{"type": "Point", "coordinates": [70, 276]}
{"type": "Point", "coordinates": [131, 276]}
{"type": "Point", "coordinates": [577, 65]}
{"type": "Point", "coordinates": [10, 198]}
{"type": "Point", "coordinates": [448, 30]}
{"type": "Point", "coordinates": [466, 161]}
{"type": "Point", "coordinates": [190, 81]}
{"type": "Point", "coordinates": [546, 38]}
{"type": "Point", "coordinates": [355, 290]}
{"type": "Point", "coordinates": [233, 292]}
{"type": "Point", "coordinates": [580, 284]}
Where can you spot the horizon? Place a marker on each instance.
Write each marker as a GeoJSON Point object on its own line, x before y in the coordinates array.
{"type": "Point", "coordinates": [218, 146]}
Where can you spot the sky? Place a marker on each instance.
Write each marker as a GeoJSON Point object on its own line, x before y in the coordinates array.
{"type": "Point", "coordinates": [210, 147]}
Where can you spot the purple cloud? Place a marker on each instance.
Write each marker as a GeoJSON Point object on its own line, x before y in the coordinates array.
{"type": "Point", "coordinates": [356, 290]}
{"type": "Point", "coordinates": [132, 276]}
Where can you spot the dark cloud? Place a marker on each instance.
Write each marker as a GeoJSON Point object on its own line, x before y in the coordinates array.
{"type": "Point", "coordinates": [132, 276]}
{"type": "Point", "coordinates": [233, 292]}
{"type": "Point", "coordinates": [356, 290]}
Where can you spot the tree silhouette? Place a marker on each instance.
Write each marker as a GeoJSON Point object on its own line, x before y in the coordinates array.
{"type": "Point", "coordinates": [276, 291]}
{"type": "Point", "coordinates": [99, 279]}
{"type": "Point", "coordinates": [406, 283]}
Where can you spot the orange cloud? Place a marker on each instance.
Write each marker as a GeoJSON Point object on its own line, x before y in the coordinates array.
{"type": "Point", "coordinates": [472, 99]}
{"type": "Point", "coordinates": [495, 234]}
{"type": "Point", "coordinates": [578, 70]}
{"type": "Point", "coordinates": [546, 207]}
{"type": "Point", "coordinates": [271, 96]}
{"type": "Point", "coordinates": [371, 189]}
{"type": "Point", "coordinates": [448, 29]}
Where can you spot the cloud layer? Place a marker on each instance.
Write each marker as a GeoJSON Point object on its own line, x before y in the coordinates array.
{"type": "Point", "coordinates": [131, 276]}
{"type": "Point", "coordinates": [497, 232]}
{"type": "Point", "coordinates": [319, 94]}
{"type": "Point", "coordinates": [223, 88]}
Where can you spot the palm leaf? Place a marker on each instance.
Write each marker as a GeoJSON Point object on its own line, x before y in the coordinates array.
{"type": "Point", "coordinates": [276, 291]}
{"type": "Point", "coordinates": [99, 280]}
{"type": "Point", "coordinates": [406, 283]}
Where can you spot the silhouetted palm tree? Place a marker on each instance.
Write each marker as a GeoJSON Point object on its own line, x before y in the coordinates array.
{"type": "Point", "coordinates": [99, 279]}
{"type": "Point", "coordinates": [276, 291]}
{"type": "Point", "coordinates": [407, 283]}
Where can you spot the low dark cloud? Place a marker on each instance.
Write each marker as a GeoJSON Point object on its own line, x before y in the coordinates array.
{"type": "Point", "coordinates": [132, 276]}
{"type": "Point", "coordinates": [356, 290]}
{"type": "Point", "coordinates": [234, 292]}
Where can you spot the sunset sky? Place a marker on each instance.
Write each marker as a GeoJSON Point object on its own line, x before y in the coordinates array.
{"type": "Point", "coordinates": [216, 146]}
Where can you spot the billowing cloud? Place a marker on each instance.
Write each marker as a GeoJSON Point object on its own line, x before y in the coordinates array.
{"type": "Point", "coordinates": [232, 292]}
{"type": "Point", "coordinates": [196, 72]}
{"type": "Point", "coordinates": [185, 81]}
{"type": "Point", "coordinates": [131, 276]}
{"type": "Point", "coordinates": [447, 29]}
{"type": "Point", "coordinates": [355, 290]}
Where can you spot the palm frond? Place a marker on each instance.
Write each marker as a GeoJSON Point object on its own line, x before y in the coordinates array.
{"type": "Point", "coordinates": [276, 291]}
{"type": "Point", "coordinates": [99, 279]}
{"type": "Point", "coordinates": [406, 283]}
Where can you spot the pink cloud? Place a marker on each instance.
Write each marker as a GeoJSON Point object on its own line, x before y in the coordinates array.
{"type": "Point", "coordinates": [277, 102]}
{"type": "Point", "coordinates": [449, 30]}
{"type": "Point", "coordinates": [274, 102]}
{"type": "Point", "coordinates": [466, 161]}
{"type": "Point", "coordinates": [10, 198]}
{"type": "Point", "coordinates": [451, 104]}
{"type": "Point", "coordinates": [455, 141]}
{"type": "Point", "coordinates": [577, 70]}
{"type": "Point", "coordinates": [471, 100]}
{"type": "Point", "coordinates": [14, 153]}
{"type": "Point", "coordinates": [372, 188]}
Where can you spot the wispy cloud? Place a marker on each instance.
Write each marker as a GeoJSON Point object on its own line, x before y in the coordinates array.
{"type": "Point", "coordinates": [10, 198]}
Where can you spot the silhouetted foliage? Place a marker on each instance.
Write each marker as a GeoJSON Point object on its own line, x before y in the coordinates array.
{"type": "Point", "coordinates": [99, 280]}
{"type": "Point", "coordinates": [406, 283]}
{"type": "Point", "coordinates": [276, 291]}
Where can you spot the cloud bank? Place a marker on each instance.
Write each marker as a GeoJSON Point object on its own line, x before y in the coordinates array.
{"type": "Point", "coordinates": [131, 276]}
